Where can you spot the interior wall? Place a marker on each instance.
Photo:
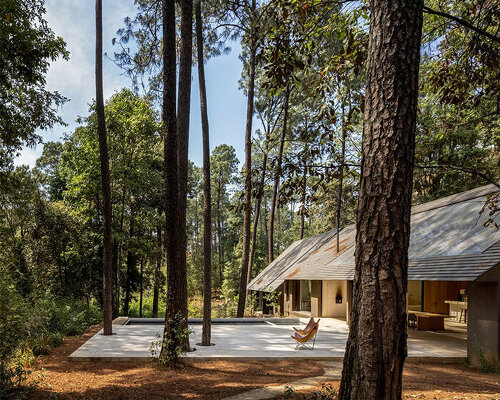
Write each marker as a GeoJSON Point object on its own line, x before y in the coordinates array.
{"type": "Point", "coordinates": [436, 292]}
{"type": "Point", "coordinates": [315, 298]}
{"type": "Point", "coordinates": [330, 308]}
{"type": "Point", "coordinates": [414, 295]}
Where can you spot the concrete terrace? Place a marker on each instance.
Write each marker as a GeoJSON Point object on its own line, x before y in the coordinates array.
{"type": "Point", "coordinates": [260, 340]}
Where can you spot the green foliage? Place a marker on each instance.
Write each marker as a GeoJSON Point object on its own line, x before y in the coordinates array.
{"type": "Point", "coordinates": [147, 307]}
{"type": "Point", "coordinates": [30, 327]}
{"type": "Point", "coordinates": [168, 349]}
{"type": "Point", "coordinates": [12, 331]}
{"type": "Point", "coordinates": [272, 298]}
{"type": "Point", "coordinates": [458, 131]}
{"type": "Point", "coordinates": [28, 48]}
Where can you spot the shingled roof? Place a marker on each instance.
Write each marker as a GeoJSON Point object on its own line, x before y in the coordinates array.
{"type": "Point", "coordinates": [447, 242]}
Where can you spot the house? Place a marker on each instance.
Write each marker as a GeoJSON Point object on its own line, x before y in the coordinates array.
{"type": "Point", "coordinates": [454, 269]}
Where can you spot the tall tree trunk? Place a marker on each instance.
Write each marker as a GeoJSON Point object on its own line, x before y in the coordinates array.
{"type": "Point", "coordinates": [303, 201]}
{"type": "Point", "coordinates": [177, 236]}
{"type": "Point", "coordinates": [118, 277]}
{"type": "Point", "coordinates": [116, 304]}
{"type": "Point", "coordinates": [141, 288]}
{"type": "Point", "coordinates": [278, 221]}
{"type": "Point", "coordinates": [170, 173]}
{"type": "Point", "coordinates": [131, 265]}
{"type": "Point", "coordinates": [183, 113]}
{"type": "Point", "coordinates": [376, 347]}
{"type": "Point", "coordinates": [258, 202]}
{"type": "Point", "coordinates": [277, 175]}
{"type": "Point", "coordinates": [247, 202]}
{"type": "Point", "coordinates": [341, 179]}
{"type": "Point", "coordinates": [119, 255]}
{"type": "Point", "coordinates": [156, 283]}
{"type": "Point", "coordinates": [207, 196]}
{"type": "Point", "coordinates": [220, 254]}
{"type": "Point", "coordinates": [107, 268]}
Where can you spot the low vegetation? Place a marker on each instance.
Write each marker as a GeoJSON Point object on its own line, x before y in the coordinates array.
{"type": "Point", "coordinates": [30, 327]}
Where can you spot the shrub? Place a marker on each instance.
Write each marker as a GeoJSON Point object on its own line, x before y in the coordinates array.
{"type": "Point", "coordinates": [168, 350]}
{"type": "Point", "coordinates": [29, 328]}
{"type": "Point", "coordinates": [12, 332]}
{"type": "Point", "coordinates": [147, 307]}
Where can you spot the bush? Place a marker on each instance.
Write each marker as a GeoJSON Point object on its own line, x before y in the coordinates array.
{"type": "Point", "coordinates": [147, 307]}
{"type": "Point", "coordinates": [31, 327]}
{"type": "Point", "coordinates": [12, 332]}
{"type": "Point", "coordinates": [167, 350]}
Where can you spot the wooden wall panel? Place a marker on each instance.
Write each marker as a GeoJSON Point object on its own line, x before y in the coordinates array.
{"type": "Point", "coordinates": [436, 292]}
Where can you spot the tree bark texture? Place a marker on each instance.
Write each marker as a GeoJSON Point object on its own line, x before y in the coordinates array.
{"type": "Point", "coordinates": [207, 195]}
{"type": "Point", "coordinates": [171, 188]}
{"type": "Point", "coordinates": [248, 183]}
{"type": "Point", "coordinates": [183, 112]}
{"type": "Point", "coordinates": [107, 267]}
{"type": "Point", "coordinates": [376, 347]}
{"type": "Point", "coordinates": [277, 176]}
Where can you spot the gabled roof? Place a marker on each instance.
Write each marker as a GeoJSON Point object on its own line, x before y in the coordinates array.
{"type": "Point", "coordinates": [447, 242]}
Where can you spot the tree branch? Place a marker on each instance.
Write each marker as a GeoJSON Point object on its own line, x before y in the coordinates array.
{"type": "Point", "coordinates": [462, 169]}
{"type": "Point", "coordinates": [463, 23]}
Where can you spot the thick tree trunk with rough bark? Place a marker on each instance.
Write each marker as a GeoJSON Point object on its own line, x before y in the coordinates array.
{"type": "Point", "coordinates": [207, 196]}
{"type": "Point", "coordinates": [248, 183]}
{"type": "Point", "coordinates": [171, 187]}
{"type": "Point", "coordinates": [277, 177]}
{"type": "Point", "coordinates": [107, 267]}
{"type": "Point", "coordinates": [376, 347]}
{"type": "Point", "coordinates": [183, 112]}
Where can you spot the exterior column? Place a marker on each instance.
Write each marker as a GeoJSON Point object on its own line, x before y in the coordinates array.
{"type": "Point", "coordinates": [483, 320]}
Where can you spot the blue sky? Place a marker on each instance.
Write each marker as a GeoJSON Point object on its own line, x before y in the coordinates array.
{"type": "Point", "coordinates": [74, 21]}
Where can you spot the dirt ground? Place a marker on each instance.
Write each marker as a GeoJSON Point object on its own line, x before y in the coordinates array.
{"type": "Point", "coordinates": [440, 382]}
{"type": "Point", "coordinates": [62, 379]}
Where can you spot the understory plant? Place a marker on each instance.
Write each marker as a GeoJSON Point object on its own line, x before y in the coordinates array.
{"type": "Point", "coordinates": [167, 349]}
{"type": "Point", "coordinates": [30, 327]}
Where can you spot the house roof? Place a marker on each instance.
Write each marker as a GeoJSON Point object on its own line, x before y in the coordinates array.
{"type": "Point", "coordinates": [447, 242]}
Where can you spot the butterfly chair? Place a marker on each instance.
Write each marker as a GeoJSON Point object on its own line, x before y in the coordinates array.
{"type": "Point", "coordinates": [307, 328]}
{"type": "Point", "coordinates": [303, 341]}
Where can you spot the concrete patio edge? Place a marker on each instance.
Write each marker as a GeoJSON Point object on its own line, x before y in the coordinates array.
{"type": "Point", "coordinates": [187, 359]}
